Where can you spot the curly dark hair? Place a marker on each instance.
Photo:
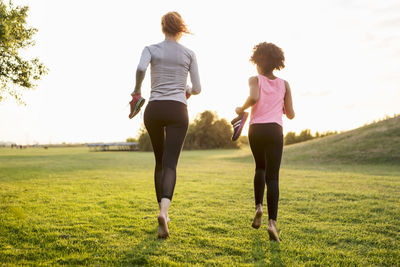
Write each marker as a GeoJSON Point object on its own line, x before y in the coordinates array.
{"type": "Point", "coordinates": [268, 57]}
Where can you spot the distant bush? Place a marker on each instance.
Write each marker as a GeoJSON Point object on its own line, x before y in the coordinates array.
{"type": "Point", "coordinates": [144, 140]}
{"type": "Point", "coordinates": [305, 135]}
{"type": "Point", "coordinates": [131, 140]}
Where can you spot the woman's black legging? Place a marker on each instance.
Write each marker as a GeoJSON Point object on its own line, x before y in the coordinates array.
{"type": "Point", "coordinates": [166, 122]}
{"type": "Point", "coordinates": [266, 142]}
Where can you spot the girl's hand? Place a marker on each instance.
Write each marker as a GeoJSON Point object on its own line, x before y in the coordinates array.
{"type": "Point", "coordinates": [239, 110]}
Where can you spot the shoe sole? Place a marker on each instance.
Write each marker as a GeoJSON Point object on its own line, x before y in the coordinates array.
{"type": "Point", "coordinates": [137, 108]}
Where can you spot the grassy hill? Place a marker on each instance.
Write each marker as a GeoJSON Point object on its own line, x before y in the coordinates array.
{"type": "Point", "coordinates": [376, 143]}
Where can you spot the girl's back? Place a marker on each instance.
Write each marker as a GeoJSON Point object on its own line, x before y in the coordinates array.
{"type": "Point", "coordinates": [269, 107]}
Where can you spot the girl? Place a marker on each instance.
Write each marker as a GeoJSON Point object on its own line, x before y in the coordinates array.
{"type": "Point", "coordinates": [166, 117]}
{"type": "Point", "coordinates": [270, 97]}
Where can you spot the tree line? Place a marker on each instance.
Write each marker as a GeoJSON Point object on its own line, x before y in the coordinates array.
{"type": "Point", "coordinates": [305, 135]}
{"type": "Point", "coordinates": [210, 132]}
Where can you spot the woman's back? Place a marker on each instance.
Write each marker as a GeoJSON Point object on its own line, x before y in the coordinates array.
{"type": "Point", "coordinates": [170, 64]}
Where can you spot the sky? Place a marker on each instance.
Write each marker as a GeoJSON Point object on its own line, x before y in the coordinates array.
{"type": "Point", "coordinates": [342, 63]}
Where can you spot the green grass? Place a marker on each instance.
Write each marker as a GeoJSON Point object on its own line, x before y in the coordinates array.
{"type": "Point", "coordinates": [376, 143]}
{"type": "Point", "coordinates": [69, 206]}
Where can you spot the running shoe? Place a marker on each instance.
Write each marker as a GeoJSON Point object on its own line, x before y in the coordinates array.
{"type": "Point", "coordinates": [136, 104]}
{"type": "Point", "coordinates": [238, 124]}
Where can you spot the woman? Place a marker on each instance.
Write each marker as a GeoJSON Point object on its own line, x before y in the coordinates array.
{"type": "Point", "coordinates": [166, 117]}
{"type": "Point", "coordinates": [270, 97]}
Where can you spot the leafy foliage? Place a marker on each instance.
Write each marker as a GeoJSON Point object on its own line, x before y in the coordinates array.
{"type": "Point", "coordinates": [16, 73]}
{"type": "Point", "coordinates": [208, 132]}
{"type": "Point", "coordinates": [305, 135]}
{"type": "Point", "coordinates": [131, 140]}
{"type": "Point", "coordinates": [144, 140]}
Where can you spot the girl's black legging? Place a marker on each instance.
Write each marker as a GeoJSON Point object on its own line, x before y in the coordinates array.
{"type": "Point", "coordinates": [266, 142]}
{"type": "Point", "coordinates": [166, 122]}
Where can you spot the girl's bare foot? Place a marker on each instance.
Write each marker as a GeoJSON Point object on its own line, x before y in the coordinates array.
{"type": "Point", "coordinates": [163, 231]}
{"type": "Point", "coordinates": [257, 221]}
{"type": "Point", "coordinates": [273, 233]}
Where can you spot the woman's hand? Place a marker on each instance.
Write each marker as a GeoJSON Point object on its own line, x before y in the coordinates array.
{"type": "Point", "coordinates": [239, 110]}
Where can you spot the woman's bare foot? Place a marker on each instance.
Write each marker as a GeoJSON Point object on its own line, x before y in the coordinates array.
{"type": "Point", "coordinates": [163, 231]}
{"type": "Point", "coordinates": [159, 205]}
{"type": "Point", "coordinates": [273, 233]}
{"type": "Point", "coordinates": [257, 221]}
{"type": "Point", "coordinates": [163, 219]}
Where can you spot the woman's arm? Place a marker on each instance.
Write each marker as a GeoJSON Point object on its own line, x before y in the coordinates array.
{"type": "Point", "coordinates": [141, 70]}
{"type": "Point", "coordinates": [253, 97]}
{"type": "Point", "coordinates": [139, 79]}
{"type": "Point", "coordinates": [288, 102]}
{"type": "Point", "coordinates": [194, 77]}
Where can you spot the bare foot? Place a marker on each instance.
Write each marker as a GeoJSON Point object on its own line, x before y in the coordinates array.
{"type": "Point", "coordinates": [257, 221]}
{"type": "Point", "coordinates": [163, 231]}
{"type": "Point", "coordinates": [159, 205]}
{"type": "Point", "coordinates": [273, 233]}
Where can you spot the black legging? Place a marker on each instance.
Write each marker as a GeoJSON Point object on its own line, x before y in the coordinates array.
{"type": "Point", "coordinates": [167, 124]}
{"type": "Point", "coordinates": [266, 142]}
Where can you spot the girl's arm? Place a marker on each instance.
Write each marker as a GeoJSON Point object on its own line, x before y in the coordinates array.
{"type": "Point", "coordinates": [253, 97]}
{"type": "Point", "coordinates": [288, 102]}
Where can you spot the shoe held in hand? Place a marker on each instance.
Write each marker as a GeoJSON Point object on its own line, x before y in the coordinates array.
{"type": "Point", "coordinates": [136, 104]}
{"type": "Point", "coordinates": [237, 124]}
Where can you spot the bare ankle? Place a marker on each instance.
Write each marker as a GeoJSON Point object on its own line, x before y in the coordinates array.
{"type": "Point", "coordinates": [259, 207]}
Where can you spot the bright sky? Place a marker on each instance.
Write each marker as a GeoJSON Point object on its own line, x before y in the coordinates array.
{"type": "Point", "coordinates": [342, 62]}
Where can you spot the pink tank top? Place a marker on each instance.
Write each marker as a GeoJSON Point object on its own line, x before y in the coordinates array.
{"type": "Point", "coordinates": [269, 107]}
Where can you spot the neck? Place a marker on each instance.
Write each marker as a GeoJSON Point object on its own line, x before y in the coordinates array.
{"type": "Point", "coordinates": [269, 75]}
{"type": "Point", "coordinates": [172, 38]}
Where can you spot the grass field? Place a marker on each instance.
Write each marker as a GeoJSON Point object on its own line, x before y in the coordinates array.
{"type": "Point", "coordinates": [69, 206]}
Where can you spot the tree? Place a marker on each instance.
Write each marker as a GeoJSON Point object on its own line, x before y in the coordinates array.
{"type": "Point", "coordinates": [209, 132]}
{"type": "Point", "coordinates": [16, 73]}
{"type": "Point", "coordinates": [131, 140]}
{"type": "Point", "coordinates": [290, 138]}
{"type": "Point", "coordinates": [144, 140]}
{"type": "Point", "coordinates": [305, 135]}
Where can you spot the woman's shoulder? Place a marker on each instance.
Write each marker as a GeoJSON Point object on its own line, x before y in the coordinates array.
{"type": "Point", "coordinates": [186, 49]}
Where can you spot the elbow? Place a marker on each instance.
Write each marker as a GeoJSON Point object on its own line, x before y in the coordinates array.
{"type": "Point", "coordinates": [253, 100]}
{"type": "Point", "coordinates": [140, 71]}
{"type": "Point", "coordinates": [196, 90]}
{"type": "Point", "coordinates": [290, 115]}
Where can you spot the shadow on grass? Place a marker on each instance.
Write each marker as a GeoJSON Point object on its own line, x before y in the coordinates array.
{"type": "Point", "coordinates": [141, 253]}
{"type": "Point", "coordinates": [276, 254]}
{"type": "Point", "coordinates": [260, 254]}
{"type": "Point", "coordinates": [258, 251]}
